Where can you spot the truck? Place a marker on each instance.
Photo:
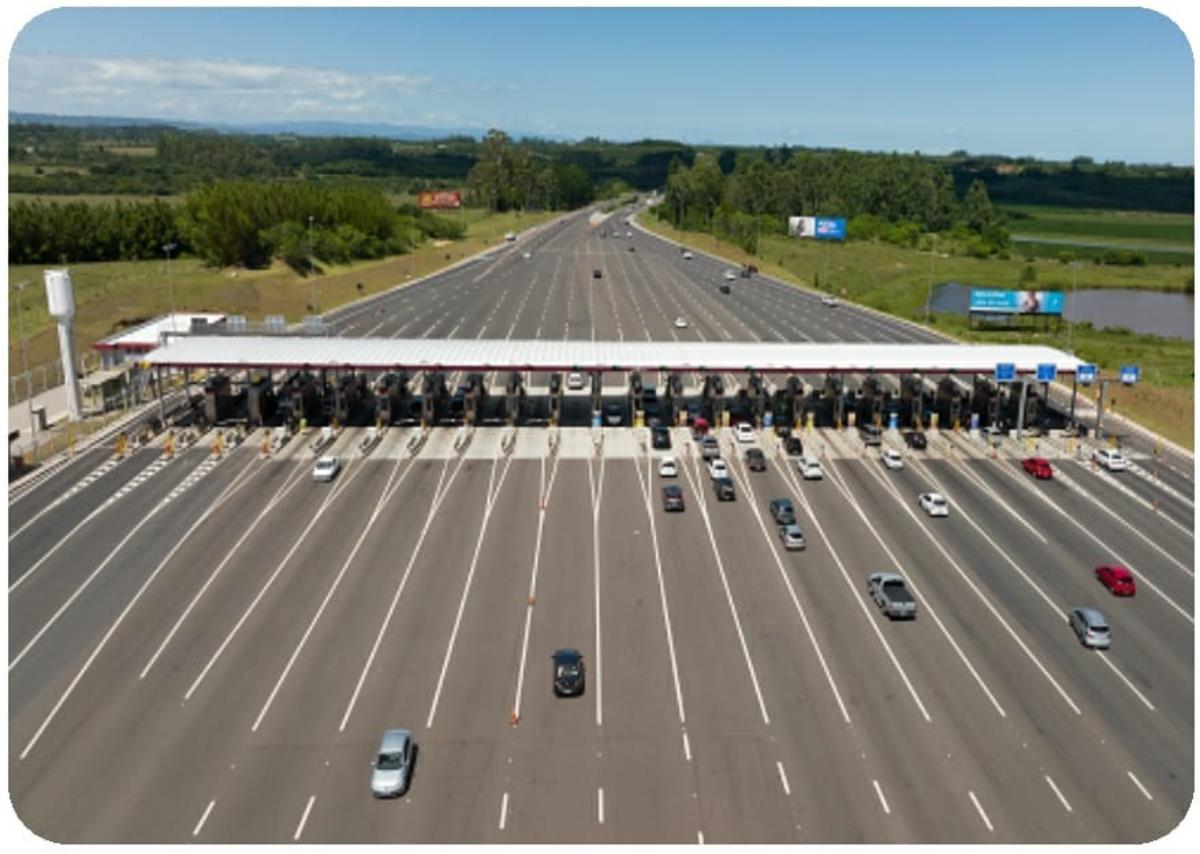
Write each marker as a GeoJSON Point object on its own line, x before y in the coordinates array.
{"type": "Point", "coordinates": [892, 596]}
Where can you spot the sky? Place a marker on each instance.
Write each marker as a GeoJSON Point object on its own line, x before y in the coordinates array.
{"type": "Point", "coordinates": [1111, 84]}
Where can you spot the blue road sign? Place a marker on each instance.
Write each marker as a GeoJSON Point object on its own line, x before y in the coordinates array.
{"type": "Point", "coordinates": [1006, 372]}
{"type": "Point", "coordinates": [1130, 374]}
{"type": "Point", "coordinates": [1047, 372]}
{"type": "Point", "coordinates": [1086, 374]}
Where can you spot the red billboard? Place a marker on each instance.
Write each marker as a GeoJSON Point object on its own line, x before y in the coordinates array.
{"type": "Point", "coordinates": [439, 199]}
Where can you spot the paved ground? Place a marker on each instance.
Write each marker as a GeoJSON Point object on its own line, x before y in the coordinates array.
{"type": "Point", "coordinates": [207, 648]}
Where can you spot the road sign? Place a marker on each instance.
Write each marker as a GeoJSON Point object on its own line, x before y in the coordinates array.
{"type": "Point", "coordinates": [1130, 374]}
{"type": "Point", "coordinates": [1085, 374]}
{"type": "Point", "coordinates": [1006, 372]}
{"type": "Point", "coordinates": [1047, 372]}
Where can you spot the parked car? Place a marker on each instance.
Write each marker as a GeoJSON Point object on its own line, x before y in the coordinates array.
{"type": "Point", "coordinates": [755, 459]}
{"type": "Point", "coordinates": [326, 469]}
{"type": "Point", "coordinates": [1091, 628]}
{"type": "Point", "coordinates": [933, 504]}
{"type": "Point", "coordinates": [1110, 459]}
{"type": "Point", "coordinates": [782, 511]}
{"type": "Point", "coordinates": [891, 594]}
{"type": "Point", "coordinates": [892, 459]}
{"type": "Point", "coordinates": [667, 467]}
{"type": "Point", "coordinates": [717, 468]}
{"type": "Point", "coordinates": [392, 768]}
{"type": "Point", "coordinates": [574, 381]}
{"type": "Point", "coordinates": [526, 255]}
{"type": "Point", "coordinates": [792, 537]}
{"type": "Point", "coordinates": [568, 672]}
{"type": "Point", "coordinates": [810, 468]}
{"type": "Point", "coordinates": [672, 498]}
{"type": "Point", "coordinates": [510, 236]}
{"type": "Point", "coordinates": [723, 486]}
{"type": "Point", "coordinates": [660, 437]}
{"type": "Point", "coordinates": [793, 446]}
{"type": "Point", "coordinates": [1117, 579]}
{"type": "Point", "coordinates": [724, 289]}
{"type": "Point", "coordinates": [744, 432]}
{"type": "Point", "coordinates": [1039, 467]}
{"type": "Point", "coordinates": [916, 440]}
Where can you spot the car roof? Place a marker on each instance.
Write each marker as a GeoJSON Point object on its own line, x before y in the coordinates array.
{"type": "Point", "coordinates": [394, 740]}
{"type": "Point", "coordinates": [326, 461]}
{"type": "Point", "coordinates": [1092, 616]}
{"type": "Point", "coordinates": [793, 528]}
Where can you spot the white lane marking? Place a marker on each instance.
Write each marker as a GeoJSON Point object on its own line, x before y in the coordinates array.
{"type": "Point", "coordinates": [503, 811]}
{"type": "Point", "coordinates": [700, 837]}
{"type": "Point", "coordinates": [987, 822]}
{"type": "Point", "coordinates": [882, 800]}
{"type": "Point", "coordinates": [203, 818]}
{"type": "Point", "coordinates": [439, 493]}
{"type": "Point", "coordinates": [597, 489]}
{"type": "Point", "coordinates": [787, 790]}
{"type": "Point", "coordinates": [384, 497]}
{"type": "Point", "coordinates": [982, 486]}
{"type": "Point", "coordinates": [687, 747]}
{"type": "Point", "coordinates": [600, 805]}
{"type": "Point", "coordinates": [304, 818]}
{"type": "Point", "coordinates": [1141, 788]}
{"type": "Point", "coordinates": [1125, 679]}
{"type": "Point", "coordinates": [493, 494]}
{"type": "Point", "coordinates": [1066, 804]}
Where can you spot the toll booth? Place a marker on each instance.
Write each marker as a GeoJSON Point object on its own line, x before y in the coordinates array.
{"type": "Point", "coordinates": [433, 397]}
{"type": "Point", "coordinates": [218, 399]}
{"type": "Point", "coordinates": [514, 391]}
{"type": "Point", "coordinates": [350, 399]}
{"type": "Point", "coordinates": [391, 392]}
{"type": "Point", "coordinates": [672, 398]}
{"type": "Point", "coordinates": [636, 412]}
{"type": "Point", "coordinates": [474, 398]}
{"type": "Point", "coordinates": [260, 400]}
{"type": "Point", "coordinates": [870, 404]}
{"type": "Point", "coordinates": [987, 400]}
{"type": "Point", "coordinates": [912, 400]}
{"type": "Point", "coordinates": [597, 391]}
{"type": "Point", "coordinates": [556, 396]}
{"type": "Point", "coordinates": [713, 404]}
{"type": "Point", "coordinates": [756, 392]}
{"type": "Point", "coordinates": [833, 398]}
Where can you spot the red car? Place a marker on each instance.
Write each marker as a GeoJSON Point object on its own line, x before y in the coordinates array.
{"type": "Point", "coordinates": [1039, 467]}
{"type": "Point", "coordinates": [1117, 579]}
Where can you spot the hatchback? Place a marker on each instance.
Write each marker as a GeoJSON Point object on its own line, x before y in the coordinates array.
{"type": "Point", "coordinates": [393, 765]}
{"type": "Point", "coordinates": [810, 468]}
{"type": "Point", "coordinates": [782, 511]}
{"type": "Point", "coordinates": [723, 486]}
{"type": "Point", "coordinates": [717, 468]}
{"type": "Point", "coordinates": [1117, 579]}
{"type": "Point", "coordinates": [667, 467]}
{"type": "Point", "coordinates": [1091, 628]}
{"type": "Point", "coordinates": [755, 460]}
{"type": "Point", "coordinates": [326, 469]}
{"type": "Point", "coordinates": [1038, 467]}
{"type": "Point", "coordinates": [744, 432]}
{"type": "Point", "coordinates": [792, 537]}
{"type": "Point", "coordinates": [672, 498]}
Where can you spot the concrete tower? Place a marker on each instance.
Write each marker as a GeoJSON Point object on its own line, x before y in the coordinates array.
{"type": "Point", "coordinates": [61, 297]}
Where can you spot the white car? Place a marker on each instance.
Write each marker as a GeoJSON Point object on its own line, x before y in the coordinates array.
{"type": "Point", "coordinates": [574, 381]}
{"type": "Point", "coordinates": [744, 432]}
{"type": "Point", "coordinates": [933, 504]}
{"type": "Point", "coordinates": [892, 459]}
{"type": "Point", "coordinates": [688, 256]}
{"type": "Point", "coordinates": [326, 469]}
{"type": "Point", "coordinates": [1111, 460]}
{"type": "Point", "coordinates": [829, 301]}
{"type": "Point", "coordinates": [629, 234]}
{"type": "Point", "coordinates": [730, 276]}
{"type": "Point", "coordinates": [526, 255]}
{"type": "Point", "coordinates": [667, 467]}
{"type": "Point", "coordinates": [510, 236]}
{"type": "Point", "coordinates": [810, 468]}
{"type": "Point", "coordinates": [717, 468]}
{"type": "Point", "coordinates": [681, 323]}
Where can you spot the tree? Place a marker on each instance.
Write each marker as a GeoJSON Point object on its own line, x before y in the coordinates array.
{"type": "Point", "coordinates": [977, 207]}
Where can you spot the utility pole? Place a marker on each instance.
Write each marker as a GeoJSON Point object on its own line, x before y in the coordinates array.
{"type": "Point", "coordinates": [929, 291]}
{"type": "Point", "coordinates": [1070, 324]}
{"type": "Point", "coordinates": [168, 248]}
{"type": "Point", "coordinates": [312, 269]}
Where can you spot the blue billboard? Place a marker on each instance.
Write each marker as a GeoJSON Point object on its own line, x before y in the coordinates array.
{"type": "Point", "coordinates": [830, 228]}
{"type": "Point", "coordinates": [985, 301]}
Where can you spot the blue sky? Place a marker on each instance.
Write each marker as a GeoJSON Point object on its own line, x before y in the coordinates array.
{"type": "Point", "coordinates": [1055, 83]}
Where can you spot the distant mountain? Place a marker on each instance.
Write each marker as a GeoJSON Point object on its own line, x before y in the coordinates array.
{"type": "Point", "coordinates": [297, 127]}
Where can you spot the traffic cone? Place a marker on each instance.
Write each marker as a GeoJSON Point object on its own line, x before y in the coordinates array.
{"type": "Point", "coordinates": [513, 718]}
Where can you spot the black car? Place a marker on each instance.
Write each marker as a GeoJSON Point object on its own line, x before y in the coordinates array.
{"type": "Point", "coordinates": [672, 498]}
{"type": "Point", "coordinates": [653, 416]}
{"type": "Point", "coordinates": [793, 446]}
{"type": "Point", "coordinates": [632, 248]}
{"type": "Point", "coordinates": [596, 273]}
{"type": "Point", "coordinates": [915, 440]}
{"type": "Point", "coordinates": [660, 437]}
{"type": "Point", "coordinates": [723, 486]}
{"type": "Point", "coordinates": [782, 511]}
{"type": "Point", "coordinates": [568, 673]}
{"type": "Point", "coordinates": [614, 414]}
{"type": "Point", "coordinates": [783, 429]}
{"type": "Point", "coordinates": [724, 289]}
{"type": "Point", "coordinates": [755, 460]}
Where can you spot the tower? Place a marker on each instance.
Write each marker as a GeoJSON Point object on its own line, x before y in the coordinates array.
{"type": "Point", "coordinates": [60, 295]}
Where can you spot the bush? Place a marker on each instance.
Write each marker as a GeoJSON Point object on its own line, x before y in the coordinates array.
{"type": "Point", "coordinates": [1124, 258]}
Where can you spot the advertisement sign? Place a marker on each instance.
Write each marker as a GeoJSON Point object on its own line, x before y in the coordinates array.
{"type": "Point", "coordinates": [1006, 372]}
{"type": "Point", "coordinates": [439, 199]}
{"type": "Point", "coordinates": [1086, 374]}
{"type": "Point", "coordinates": [802, 226]}
{"type": "Point", "coordinates": [1047, 372]}
{"type": "Point", "coordinates": [830, 228]}
{"type": "Point", "coordinates": [985, 301]}
{"type": "Point", "coordinates": [1130, 374]}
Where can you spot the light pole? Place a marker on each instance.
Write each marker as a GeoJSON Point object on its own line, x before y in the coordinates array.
{"type": "Point", "coordinates": [20, 286]}
{"type": "Point", "coordinates": [312, 269]}
{"type": "Point", "coordinates": [929, 291]}
{"type": "Point", "coordinates": [168, 248]}
{"type": "Point", "coordinates": [1070, 324]}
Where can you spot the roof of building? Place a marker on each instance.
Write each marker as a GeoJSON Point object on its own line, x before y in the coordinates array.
{"type": "Point", "coordinates": [146, 336]}
{"type": "Point", "coordinates": [419, 354]}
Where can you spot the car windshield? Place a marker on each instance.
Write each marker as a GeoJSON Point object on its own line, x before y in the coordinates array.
{"type": "Point", "coordinates": [390, 761]}
{"type": "Point", "coordinates": [1099, 628]}
{"type": "Point", "coordinates": [937, 500]}
{"type": "Point", "coordinates": [567, 671]}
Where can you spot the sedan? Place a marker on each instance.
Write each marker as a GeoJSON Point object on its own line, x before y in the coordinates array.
{"type": "Point", "coordinates": [672, 499]}
{"type": "Point", "coordinates": [1038, 467]}
{"type": "Point", "coordinates": [782, 511]}
{"type": "Point", "coordinates": [667, 467]}
{"type": "Point", "coordinates": [681, 323]}
{"type": "Point", "coordinates": [916, 440]}
{"type": "Point", "coordinates": [574, 381]}
{"type": "Point", "coordinates": [1091, 628]}
{"type": "Point", "coordinates": [660, 436]}
{"type": "Point", "coordinates": [933, 504]}
{"type": "Point", "coordinates": [717, 468]}
{"type": "Point", "coordinates": [744, 432]}
{"type": "Point", "coordinates": [1111, 460]}
{"type": "Point", "coordinates": [687, 256]}
{"type": "Point", "coordinates": [810, 468]}
{"type": "Point", "coordinates": [730, 276]}
{"type": "Point", "coordinates": [326, 469]}
{"type": "Point", "coordinates": [755, 460]}
{"type": "Point", "coordinates": [392, 767]}
{"type": "Point", "coordinates": [614, 414]}
{"type": "Point", "coordinates": [596, 273]}
{"type": "Point", "coordinates": [892, 459]}
{"type": "Point", "coordinates": [792, 537]}
{"type": "Point", "coordinates": [829, 301]}
{"type": "Point", "coordinates": [1117, 579]}
{"type": "Point", "coordinates": [723, 486]}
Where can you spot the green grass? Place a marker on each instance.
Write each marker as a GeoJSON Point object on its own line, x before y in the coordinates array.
{"type": "Point", "coordinates": [896, 280]}
{"type": "Point", "coordinates": [1080, 252]}
{"type": "Point", "coordinates": [1140, 229]}
{"type": "Point", "coordinates": [92, 198]}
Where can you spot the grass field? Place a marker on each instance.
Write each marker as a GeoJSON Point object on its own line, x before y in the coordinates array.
{"type": "Point", "coordinates": [896, 281]}
{"type": "Point", "coordinates": [102, 199]}
{"type": "Point", "coordinates": [112, 295]}
{"type": "Point", "coordinates": [1133, 229]}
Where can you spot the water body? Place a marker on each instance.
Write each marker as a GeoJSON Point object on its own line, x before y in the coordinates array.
{"type": "Point", "coordinates": [1171, 315]}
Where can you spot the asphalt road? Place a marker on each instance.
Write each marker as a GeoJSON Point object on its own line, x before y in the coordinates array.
{"type": "Point", "coordinates": [209, 648]}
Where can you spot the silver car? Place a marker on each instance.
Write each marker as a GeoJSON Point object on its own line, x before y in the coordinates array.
{"type": "Point", "coordinates": [325, 469]}
{"type": "Point", "coordinates": [792, 536]}
{"type": "Point", "coordinates": [1091, 628]}
{"type": "Point", "coordinates": [393, 765]}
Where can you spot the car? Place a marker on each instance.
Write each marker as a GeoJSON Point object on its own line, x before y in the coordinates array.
{"type": "Point", "coordinates": [574, 381]}
{"type": "Point", "coordinates": [717, 468]}
{"type": "Point", "coordinates": [681, 323]}
{"type": "Point", "coordinates": [810, 468]}
{"type": "Point", "coordinates": [723, 486]}
{"type": "Point", "coordinates": [326, 469]}
{"type": "Point", "coordinates": [510, 236]}
{"type": "Point", "coordinates": [730, 276]}
{"type": "Point", "coordinates": [793, 446]}
{"type": "Point", "coordinates": [614, 414]}
{"type": "Point", "coordinates": [687, 256]}
{"type": "Point", "coordinates": [1039, 467]}
{"type": "Point", "coordinates": [629, 234]}
{"type": "Point", "coordinates": [709, 448]}
{"type": "Point", "coordinates": [1090, 627]}
{"type": "Point", "coordinates": [1110, 459]}
{"type": "Point", "coordinates": [744, 432]}
{"type": "Point", "coordinates": [526, 255]}
{"type": "Point", "coordinates": [782, 511]}
{"type": "Point", "coordinates": [829, 301]}
{"type": "Point", "coordinates": [892, 459]}
{"type": "Point", "coordinates": [568, 672]}
{"type": "Point", "coordinates": [755, 459]}
{"type": "Point", "coordinates": [596, 273]}
{"type": "Point", "coordinates": [654, 419]}
{"type": "Point", "coordinates": [724, 289]}
{"type": "Point", "coordinates": [871, 435]}
{"type": "Point", "coordinates": [915, 439]}
{"type": "Point", "coordinates": [391, 770]}
{"type": "Point", "coordinates": [672, 499]}
{"type": "Point", "coordinates": [667, 467]}
{"type": "Point", "coordinates": [1117, 579]}
{"type": "Point", "coordinates": [933, 504]}
{"type": "Point", "coordinates": [632, 248]}
{"type": "Point", "coordinates": [660, 436]}
{"type": "Point", "coordinates": [793, 537]}
{"type": "Point", "coordinates": [783, 427]}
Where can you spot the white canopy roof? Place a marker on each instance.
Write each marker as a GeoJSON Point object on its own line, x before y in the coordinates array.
{"type": "Point", "coordinates": [419, 354]}
{"type": "Point", "coordinates": [147, 335]}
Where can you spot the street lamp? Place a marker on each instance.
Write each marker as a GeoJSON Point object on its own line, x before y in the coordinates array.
{"type": "Point", "coordinates": [168, 248]}
{"type": "Point", "coordinates": [1070, 325]}
{"type": "Point", "coordinates": [312, 269]}
{"type": "Point", "coordinates": [929, 291]}
{"type": "Point", "coordinates": [20, 286]}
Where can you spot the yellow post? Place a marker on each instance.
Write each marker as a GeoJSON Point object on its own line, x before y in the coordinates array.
{"type": "Point", "coordinates": [933, 420]}
{"type": "Point", "coordinates": [216, 446]}
{"type": "Point", "coordinates": [812, 421]}
{"type": "Point", "coordinates": [120, 445]}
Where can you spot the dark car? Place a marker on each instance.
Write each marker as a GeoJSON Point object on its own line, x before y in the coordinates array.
{"type": "Point", "coordinates": [632, 248]}
{"type": "Point", "coordinates": [614, 414]}
{"type": "Point", "coordinates": [672, 499]}
{"type": "Point", "coordinates": [568, 673]}
{"type": "Point", "coordinates": [782, 511]}
{"type": "Point", "coordinates": [723, 486]}
{"type": "Point", "coordinates": [723, 289]}
{"type": "Point", "coordinates": [660, 437]}
{"type": "Point", "coordinates": [793, 446]}
{"type": "Point", "coordinates": [916, 440]}
{"type": "Point", "coordinates": [783, 429]}
{"type": "Point", "coordinates": [596, 273]}
{"type": "Point", "coordinates": [755, 460]}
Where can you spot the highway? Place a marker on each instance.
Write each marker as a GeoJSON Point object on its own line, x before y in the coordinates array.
{"type": "Point", "coordinates": [208, 647]}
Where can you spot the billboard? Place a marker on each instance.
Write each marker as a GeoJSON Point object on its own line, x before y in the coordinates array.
{"type": "Point", "coordinates": [820, 227]}
{"type": "Point", "coordinates": [439, 199]}
{"type": "Point", "coordinates": [1016, 302]}
{"type": "Point", "coordinates": [802, 226]}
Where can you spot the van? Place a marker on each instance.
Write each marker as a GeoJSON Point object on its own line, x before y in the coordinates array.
{"type": "Point", "coordinates": [393, 765]}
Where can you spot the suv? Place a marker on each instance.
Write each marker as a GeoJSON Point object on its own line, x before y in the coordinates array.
{"type": "Point", "coordinates": [871, 435]}
{"type": "Point", "coordinates": [755, 460]}
{"type": "Point", "coordinates": [1111, 460]}
{"type": "Point", "coordinates": [723, 486]}
{"type": "Point", "coordinates": [568, 673]}
{"type": "Point", "coordinates": [782, 511]}
{"type": "Point", "coordinates": [672, 498]}
{"type": "Point", "coordinates": [916, 440]}
{"type": "Point", "coordinates": [793, 446]}
{"type": "Point", "coordinates": [1091, 628]}
{"type": "Point", "coordinates": [660, 437]}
